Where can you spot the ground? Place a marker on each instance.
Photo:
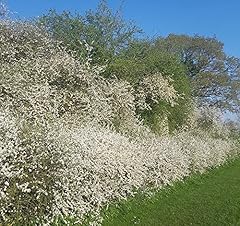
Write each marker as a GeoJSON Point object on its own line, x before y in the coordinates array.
{"type": "Point", "coordinates": [212, 199]}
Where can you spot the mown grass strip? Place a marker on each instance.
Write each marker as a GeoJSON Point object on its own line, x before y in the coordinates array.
{"type": "Point", "coordinates": [212, 199]}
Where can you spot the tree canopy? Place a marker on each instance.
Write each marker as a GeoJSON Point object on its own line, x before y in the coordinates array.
{"type": "Point", "coordinates": [198, 66]}
{"type": "Point", "coordinates": [107, 32]}
{"type": "Point", "coordinates": [214, 75]}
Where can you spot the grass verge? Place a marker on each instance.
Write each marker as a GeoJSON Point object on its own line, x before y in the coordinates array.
{"type": "Point", "coordinates": [212, 199]}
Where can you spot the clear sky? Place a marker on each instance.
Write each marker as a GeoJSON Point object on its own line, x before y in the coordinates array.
{"type": "Point", "coordinates": [158, 17]}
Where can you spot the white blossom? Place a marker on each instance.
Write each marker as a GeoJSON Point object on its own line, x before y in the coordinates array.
{"type": "Point", "coordinates": [70, 139]}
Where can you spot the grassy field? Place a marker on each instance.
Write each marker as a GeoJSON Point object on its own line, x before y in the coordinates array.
{"type": "Point", "coordinates": [209, 199]}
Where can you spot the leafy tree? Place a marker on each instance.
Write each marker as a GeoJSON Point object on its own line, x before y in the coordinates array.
{"type": "Point", "coordinates": [214, 76]}
{"type": "Point", "coordinates": [107, 32]}
{"type": "Point", "coordinates": [142, 59]}
{"type": "Point", "coordinates": [113, 42]}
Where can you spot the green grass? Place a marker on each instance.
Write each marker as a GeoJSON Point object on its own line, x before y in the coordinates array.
{"type": "Point", "coordinates": [212, 199]}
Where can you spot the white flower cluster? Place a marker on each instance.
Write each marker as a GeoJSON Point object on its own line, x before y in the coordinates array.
{"type": "Point", "coordinates": [70, 141]}
{"type": "Point", "coordinates": [154, 88]}
{"type": "Point", "coordinates": [3, 9]}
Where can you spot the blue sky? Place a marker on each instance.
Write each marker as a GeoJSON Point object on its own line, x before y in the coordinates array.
{"type": "Point", "coordinates": [158, 17]}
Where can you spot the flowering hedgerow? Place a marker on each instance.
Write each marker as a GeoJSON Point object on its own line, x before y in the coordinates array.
{"type": "Point", "coordinates": [70, 139]}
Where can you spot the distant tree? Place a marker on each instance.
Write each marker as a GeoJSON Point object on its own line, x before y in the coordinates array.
{"type": "Point", "coordinates": [215, 77]}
